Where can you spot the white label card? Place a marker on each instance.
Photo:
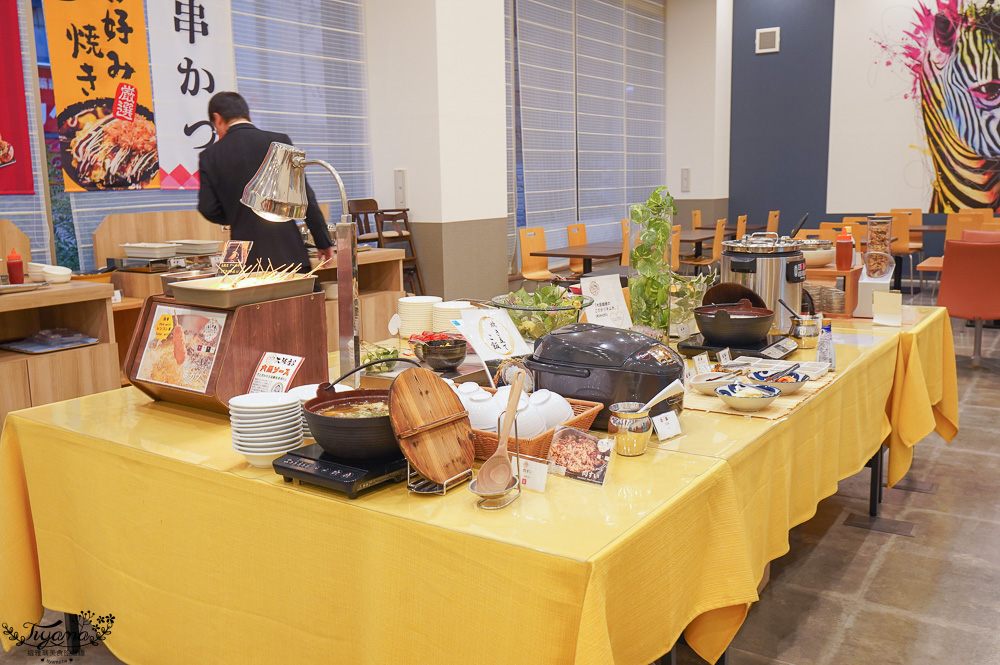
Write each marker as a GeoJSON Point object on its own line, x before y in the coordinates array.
{"type": "Point", "coordinates": [702, 364]}
{"type": "Point", "coordinates": [667, 425]}
{"type": "Point", "coordinates": [887, 308]}
{"type": "Point", "coordinates": [724, 356]}
{"type": "Point", "coordinates": [177, 262]}
{"type": "Point", "coordinates": [689, 373]}
{"type": "Point", "coordinates": [492, 334]}
{"type": "Point", "coordinates": [274, 372]}
{"type": "Point", "coordinates": [116, 296]}
{"type": "Point", "coordinates": [609, 308]}
{"type": "Point", "coordinates": [533, 473]}
{"type": "Point", "coordinates": [683, 330]}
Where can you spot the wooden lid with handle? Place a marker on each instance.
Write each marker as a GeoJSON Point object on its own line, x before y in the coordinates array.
{"type": "Point", "coordinates": [431, 424]}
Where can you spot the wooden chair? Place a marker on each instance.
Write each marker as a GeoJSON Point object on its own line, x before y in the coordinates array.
{"type": "Point", "coordinates": [705, 261]}
{"type": "Point", "coordinates": [991, 226]}
{"type": "Point", "coordinates": [964, 291]}
{"type": "Point", "coordinates": [372, 223]}
{"type": "Point", "coordinates": [696, 219]}
{"type": "Point", "coordinates": [626, 248]}
{"type": "Point", "coordinates": [577, 235]}
{"type": "Point", "coordinates": [400, 222]}
{"type": "Point", "coordinates": [859, 229]}
{"type": "Point", "coordinates": [772, 221]}
{"type": "Point", "coordinates": [741, 226]}
{"type": "Point", "coordinates": [985, 213]}
{"type": "Point", "coordinates": [956, 224]}
{"type": "Point", "coordinates": [535, 268]}
{"type": "Point", "coordinates": [916, 219]}
{"type": "Point", "coordinates": [821, 234]}
{"type": "Point", "coordinates": [675, 248]}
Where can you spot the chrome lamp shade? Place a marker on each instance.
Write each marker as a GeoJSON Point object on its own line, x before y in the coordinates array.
{"type": "Point", "coordinates": [278, 191]}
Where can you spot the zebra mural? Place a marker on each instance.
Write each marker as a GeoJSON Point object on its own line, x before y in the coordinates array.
{"type": "Point", "coordinates": [954, 54]}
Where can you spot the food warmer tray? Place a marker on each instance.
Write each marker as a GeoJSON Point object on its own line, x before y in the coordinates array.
{"type": "Point", "coordinates": [187, 262]}
{"type": "Point", "coordinates": [204, 292]}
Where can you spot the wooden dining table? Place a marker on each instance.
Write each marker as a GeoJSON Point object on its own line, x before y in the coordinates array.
{"type": "Point", "coordinates": [588, 252]}
{"type": "Point", "coordinates": [930, 228]}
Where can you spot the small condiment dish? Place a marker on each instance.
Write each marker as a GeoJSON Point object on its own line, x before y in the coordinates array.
{"type": "Point", "coordinates": [707, 382]}
{"type": "Point", "coordinates": [734, 395]}
{"type": "Point", "coordinates": [786, 387]}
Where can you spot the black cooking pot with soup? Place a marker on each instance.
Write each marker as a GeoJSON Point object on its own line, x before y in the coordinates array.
{"type": "Point", "coordinates": [607, 365]}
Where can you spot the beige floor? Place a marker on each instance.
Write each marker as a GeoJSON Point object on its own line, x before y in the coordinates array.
{"type": "Point", "coordinates": [845, 596]}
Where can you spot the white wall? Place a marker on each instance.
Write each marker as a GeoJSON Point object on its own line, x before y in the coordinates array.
{"type": "Point", "coordinates": [437, 94]}
{"type": "Point", "coordinates": [698, 72]}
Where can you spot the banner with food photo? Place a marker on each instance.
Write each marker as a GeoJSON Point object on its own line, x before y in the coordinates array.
{"type": "Point", "coordinates": [15, 155]}
{"type": "Point", "coordinates": [104, 97]}
{"type": "Point", "coordinates": [191, 56]}
{"type": "Point", "coordinates": [181, 347]}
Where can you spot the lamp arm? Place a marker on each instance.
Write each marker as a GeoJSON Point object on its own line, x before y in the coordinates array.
{"type": "Point", "coordinates": [348, 338]}
{"type": "Point", "coordinates": [345, 215]}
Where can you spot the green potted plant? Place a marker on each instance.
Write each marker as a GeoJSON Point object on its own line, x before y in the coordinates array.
{"type": "Point", "coordinates": [650, 274]}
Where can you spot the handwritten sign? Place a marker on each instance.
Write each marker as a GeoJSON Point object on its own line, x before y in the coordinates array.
{"type": "Point", "coordinates": [492, 334]}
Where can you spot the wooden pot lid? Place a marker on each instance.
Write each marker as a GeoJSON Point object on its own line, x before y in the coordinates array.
{"type": "Point", "coordinates": [431, 424]}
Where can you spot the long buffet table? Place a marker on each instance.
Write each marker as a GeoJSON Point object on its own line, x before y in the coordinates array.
{"type": "Point", "coordinates": [117, 504]}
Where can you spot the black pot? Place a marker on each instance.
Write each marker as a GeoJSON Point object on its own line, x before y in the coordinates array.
{"type": "Point", "coordinates": [351, 438]}
{"type": "Point", "coordinates": [442, 353]}
{"type": "Point", "coordinates": [733, 324]}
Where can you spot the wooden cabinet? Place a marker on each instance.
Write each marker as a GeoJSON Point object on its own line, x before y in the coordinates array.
{"type": "Point", "coordinates": [380, 286]}
{"type": "Point", "coordinates": [35, 379]}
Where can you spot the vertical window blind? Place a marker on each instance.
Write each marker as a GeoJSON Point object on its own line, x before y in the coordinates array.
{"type": "Point", "coordinates": [590, 98]}
{"type": "Point", "coordinates": [27, 211]}
{"type": "Point", "coordinates": [301, 66]}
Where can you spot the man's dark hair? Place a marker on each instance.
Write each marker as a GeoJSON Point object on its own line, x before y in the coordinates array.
{"type": "Point", "coordinates": [229, 105]}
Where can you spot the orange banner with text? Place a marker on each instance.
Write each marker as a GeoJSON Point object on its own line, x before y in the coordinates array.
{"type": "Point", "coordinates": [103, 93]}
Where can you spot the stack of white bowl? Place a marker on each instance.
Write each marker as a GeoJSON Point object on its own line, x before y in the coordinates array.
{"type": "Point", "coordinates": [36, 271]}
{"type": "Point", "coordinates": [416, 314]}
{"type": "Point", "coordinates": [444, 312]}
{"type": "Point", "coordinates": [56, 274]}
{"type": "Point", "coordinates": [265, 426]}
{"type": "Point", "coordinates": [306, 393]}
{"type": "Point", "coordinates": [536, 413]}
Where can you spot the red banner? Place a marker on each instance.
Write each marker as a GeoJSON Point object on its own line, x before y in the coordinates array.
{"type": "Point", "coordinates": [15, 148]}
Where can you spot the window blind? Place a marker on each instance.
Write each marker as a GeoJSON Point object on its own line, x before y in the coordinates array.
{"type": "Point", "coordinates": [590, 97]}
{"type": "Point", "coordinates": [27, 211]}
{"type": "Point", "coordinates": [300, 64]}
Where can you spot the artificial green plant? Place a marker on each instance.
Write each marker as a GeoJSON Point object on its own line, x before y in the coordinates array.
{"type": "Point", "coordinates": [649, 283]}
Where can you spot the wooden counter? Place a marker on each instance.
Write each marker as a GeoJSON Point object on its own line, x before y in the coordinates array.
{"type": "Point", "coordinates": [34, 379]}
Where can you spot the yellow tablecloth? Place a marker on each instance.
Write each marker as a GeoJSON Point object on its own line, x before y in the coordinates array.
{"type": "Point", "coordinates": [114, 503]}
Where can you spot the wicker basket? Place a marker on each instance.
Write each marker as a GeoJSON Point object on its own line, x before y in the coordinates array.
{"type": "Point", "coordinates": [584, 414]}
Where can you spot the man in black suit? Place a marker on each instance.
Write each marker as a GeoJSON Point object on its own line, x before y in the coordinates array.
{"type": "Point", "coordinates": [228, 165]}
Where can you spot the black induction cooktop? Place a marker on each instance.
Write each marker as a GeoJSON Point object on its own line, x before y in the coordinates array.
{"type": "Point", "coordinates": [774, 347]}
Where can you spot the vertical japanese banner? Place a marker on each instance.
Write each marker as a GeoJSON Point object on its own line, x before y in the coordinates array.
{"type": "Point", "coordinates": [104, 98]}
{"type": "Point", "coordinates": [15, 153]}
{"type": "Point", "coordinates": [191, 51]}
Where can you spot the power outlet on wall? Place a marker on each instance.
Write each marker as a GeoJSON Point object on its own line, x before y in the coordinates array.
{"type": "Point", "coordinates": [399, 187]}
{"type": "Point", "coordinates": [686, 179]}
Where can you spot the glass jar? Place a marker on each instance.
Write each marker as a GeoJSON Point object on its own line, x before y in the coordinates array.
{"type": "Point", "coordinates": [878, 256]}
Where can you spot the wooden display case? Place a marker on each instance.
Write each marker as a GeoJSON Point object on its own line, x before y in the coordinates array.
{"type": "Point", "coordinates": [36, 379]}
{"type": "Point", "coordinates": [229, 355]}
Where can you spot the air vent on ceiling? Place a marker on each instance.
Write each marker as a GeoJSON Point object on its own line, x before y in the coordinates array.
{"type": "Point", "coordinates": [768, 40]}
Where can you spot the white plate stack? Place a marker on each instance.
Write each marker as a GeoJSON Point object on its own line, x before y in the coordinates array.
{"type": "Point", "coordinates": [416, 314]}
{"type": "Point", "coordinates": [444, 312]}
{"type": "Point", "coordinates": [196, 247]}
{"type": "Point", "coordinates": [265, 426]}
{"type": "Point", "coordinates": [149, 250]}
{"type": "Point", "coordinates": [306, 393]}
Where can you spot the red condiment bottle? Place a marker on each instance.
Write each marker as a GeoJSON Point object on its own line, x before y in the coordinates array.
{"type": "Point", "coordinates": [15, 267]}
{"type": "Point", "coordinates": [845, 249]}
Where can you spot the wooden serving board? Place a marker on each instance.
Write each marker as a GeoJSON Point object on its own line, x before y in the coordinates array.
{"type": "Point", "coordinates": [431, 424]}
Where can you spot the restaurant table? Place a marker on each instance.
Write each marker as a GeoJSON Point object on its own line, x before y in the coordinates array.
{"type": "Point", "coordinates": [588, 252]}
{"type": "Point", "coordinates": [117, 504]}
{"type": "Point", "coordinates": [930, 228]}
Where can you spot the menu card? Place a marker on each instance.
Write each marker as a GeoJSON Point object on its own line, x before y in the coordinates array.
{"type": "Point", "coordinates": [609, 308]}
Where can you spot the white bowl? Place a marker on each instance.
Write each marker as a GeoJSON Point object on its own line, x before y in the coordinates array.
{"type": "Point", "coordinates": [818, 257]}
{"type": "Point", "coordinates": [707, 383]}
{"type": "Point", "coordinates": [553, 407]}
{"type": "Point", "coordinates": [786, 388]}
{"type": "Point", "coordinates": [747, 403]}
{"type": "Point", "coordinates": [56, 274]}
{"type": "Point", "coordinates": [262, 460]}
{"type": "Point", "coordinates": [263, 401]}
{"type": "Point", "coordinates": [308, 392]}
{"type": "Point", "coordinates": [483, 411]}
{"type": "Point", "coordinates": [530, 421]}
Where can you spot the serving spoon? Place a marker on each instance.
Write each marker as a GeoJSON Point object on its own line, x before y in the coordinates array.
{"type": "Point", "coordinates": [495, 474]}
{"type": "Point", "coordinates": [675, 388]}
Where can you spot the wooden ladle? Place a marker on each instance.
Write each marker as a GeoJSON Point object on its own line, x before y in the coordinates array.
{"type": "Point", "coordinates": [495, 474]}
